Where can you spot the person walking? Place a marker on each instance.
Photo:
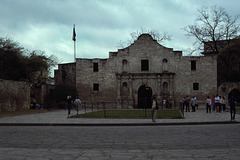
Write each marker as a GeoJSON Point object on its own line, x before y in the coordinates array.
{"type": "Point", "coordinates": [217, 104]}
{"type": "Point", "coordinates": [224, 103]}
{"type": "Point", "coordinates": [213, 103]}
{"type": "Point", "coordinates": [69, 103]}
{"type": "Point", "coordinates": [77, 103]}
{"type": "Point", "coordinates": [232, 103]}
{"type": "Point", "coordinates": [187, 100]}
{"type": "Point", "coordinates": [208, 104]}
{"type": "Point", "coordinates": [154, 108]}
{"type": "Point", "coordinates": [196, 104]}
{"type": "Point", "coordinates": [183, 103]}
{"type": "Point", "coordinates": [220, 104]}
{"type": "Point", "coordinates": [164, 103]}
{"type": "Point", "coordinates": [193, 103]}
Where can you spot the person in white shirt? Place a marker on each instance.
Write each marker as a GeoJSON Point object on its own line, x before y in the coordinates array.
{"type": "Point", "coordinates": [217, 103]}
{"type": "Point", "coordinates": [77, 103]}
{"type": "Point", "coordinates": [193, 104]}
{"type": "Point", "coordinates": [208, 104]}
{"type": "Point", "coordinates": [164, 103]}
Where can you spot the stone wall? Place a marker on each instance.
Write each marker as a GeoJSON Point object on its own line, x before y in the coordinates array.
{"type": "Point", "coordinates": [205, 75]}
{"type": "Point", "coordinates": [120, 77]}
{"type": "Point", "coordinates": [104, 77]}
{"type": "Point", "coordinates": [14, 95]}
{"type": "Point", "coordinates": [66, 74]}
{"type": "Point", "coordinates": [225, 88]}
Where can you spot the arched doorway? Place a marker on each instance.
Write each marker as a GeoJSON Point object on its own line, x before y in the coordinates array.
{"type": "Point", "coordinates": [235, 93]}
{"type": "Point", "coordinates": [144, 96]}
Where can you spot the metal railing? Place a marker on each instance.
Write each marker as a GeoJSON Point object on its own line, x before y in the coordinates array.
{"type": "Point", "coordinates": [89, 106]}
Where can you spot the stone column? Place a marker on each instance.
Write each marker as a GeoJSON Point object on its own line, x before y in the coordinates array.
{"type": "Point", "coordinates": [161, 87]}
{"type": "Point", "coordinates": [130, 99]}
{"type": "Point", "coordinates": [118, 99]}
{"type": "Point", "coordinates": [158, 85]}
{"type": "Point", "coordinates": [171, 86]}
{"type": "Point", "coordinates": [130, 86]}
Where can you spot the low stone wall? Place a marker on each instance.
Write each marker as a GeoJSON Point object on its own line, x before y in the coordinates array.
{"type": "Point", "coordinates": [14, 95]}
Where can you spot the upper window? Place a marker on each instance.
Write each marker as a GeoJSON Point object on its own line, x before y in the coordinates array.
{"type": "Point", "coordinates": [165, 65]}
{"type": "Point", "coordinates": [124, 65]}
{"type": "Point", "coordinates": [95, 87]}
{"type": "Point", "coordinates": [193, 65]}
{"type": "Point", "coordinates": [95, 67]}
{"type": "Point", "coordinates": [144, 65]}
{"type": "Point", "coordinates": [196, 86]}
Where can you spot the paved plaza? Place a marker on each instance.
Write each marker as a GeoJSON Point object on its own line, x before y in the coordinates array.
{"type": "Point", "coordinates": [60, 118]}
{"type": "Point", "coordinates": [214, 137]}
{"type": "Point", "coordinates": [173, 142]}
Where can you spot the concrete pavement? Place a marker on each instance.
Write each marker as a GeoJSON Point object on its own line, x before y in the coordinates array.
{"type": "Point", "coordinates": [50, 136]}
{"type": "Point", "coordinates": [182, 142]}
{"type": "Point", "coordinates": [59, 117]}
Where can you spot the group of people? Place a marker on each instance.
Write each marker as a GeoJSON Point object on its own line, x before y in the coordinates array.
{"type": "Point", "coordinates": [70, 102]}
{"type": "Point", "coordinates": [187, 102]}
{"type": "Point", "coordinates": [167, 104]}
{"type": "Point", "coordinates": [218, 104]}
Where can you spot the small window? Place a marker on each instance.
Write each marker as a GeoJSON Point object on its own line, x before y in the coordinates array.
{"type": "Point", "coordinates": [144, 65]}
{"type": "Point", "coordinates": [193, 65]}
{"type": "Point", "coordinates": [95, 87]}
{"type": "Point", "coordinates": [95, 67]}
{"type": "Point", "coordinates": [124, 65]}
{"type": "Point", "coordinates": [195, 86]}
{"type": "Point", "coordinates": [165, 65]}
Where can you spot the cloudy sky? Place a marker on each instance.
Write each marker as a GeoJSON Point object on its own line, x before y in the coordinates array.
{"type": "Point", "coordinates": [47, 25]}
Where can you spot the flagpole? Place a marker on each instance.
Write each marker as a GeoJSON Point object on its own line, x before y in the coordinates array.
{"type": "Point", "coordinates": [74, 39]}
{"type": "Point", "coordinates": [74, 51]}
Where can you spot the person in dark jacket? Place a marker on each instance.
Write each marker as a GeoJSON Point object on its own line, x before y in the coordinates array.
{"type": "Point", "coordinates": [232, 103]}
{"type": "Point", "coordinates": [69, 103]}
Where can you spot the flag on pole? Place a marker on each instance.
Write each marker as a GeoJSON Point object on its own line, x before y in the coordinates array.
{"type": "Point", "coordinates": [74, 34]}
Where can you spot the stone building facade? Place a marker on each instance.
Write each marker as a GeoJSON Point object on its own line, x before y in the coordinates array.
{"type": "Point", "coordinates": [131, 76]}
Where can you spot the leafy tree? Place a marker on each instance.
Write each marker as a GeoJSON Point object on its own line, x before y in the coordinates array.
{"type": "Point", "coordinates": [39, 65]}
{"type": "Point", "coordinates": [20, 65]}
{"type": "Point", "coordinates": [212, 25]}
{"type": "Point", "coordinates": [12, 61]}
{"type": "Point", "coordinates": [229, 63]}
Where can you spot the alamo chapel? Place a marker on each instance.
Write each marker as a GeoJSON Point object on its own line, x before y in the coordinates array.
{"type": "Point", "coordinates": [132, 75]}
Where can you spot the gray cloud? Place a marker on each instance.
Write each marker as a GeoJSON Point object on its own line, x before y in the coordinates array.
{"type": "Point", "coordinates": [100, 25]}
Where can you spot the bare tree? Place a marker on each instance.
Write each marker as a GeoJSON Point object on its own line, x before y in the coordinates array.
{"type": "Point", "coordinates": [213, 24]}
{"type": "Point", "coordinates": [159, 37]}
